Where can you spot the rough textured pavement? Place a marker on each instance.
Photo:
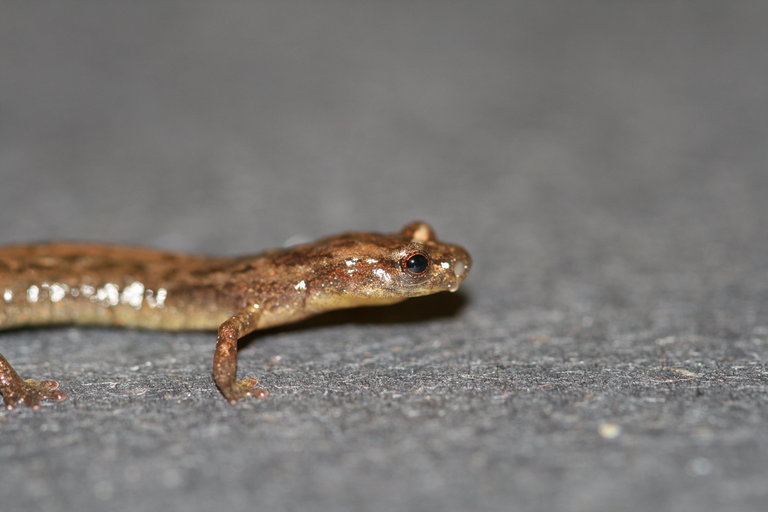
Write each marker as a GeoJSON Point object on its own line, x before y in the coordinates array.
{"type": "Point", "coordinates": [605, 163]}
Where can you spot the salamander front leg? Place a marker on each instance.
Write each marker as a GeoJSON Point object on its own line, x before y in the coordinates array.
{"type": "Point", "coordinates": [225, 357]}
{"type": "Point", "coordinates": [29, 392]}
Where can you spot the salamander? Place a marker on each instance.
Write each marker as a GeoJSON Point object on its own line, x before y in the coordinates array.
{"type": "Point", "coordinates": [93, 284]}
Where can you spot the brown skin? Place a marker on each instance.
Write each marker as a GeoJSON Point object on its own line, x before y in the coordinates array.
{"type": "Point", "coordinates": [85, 284]}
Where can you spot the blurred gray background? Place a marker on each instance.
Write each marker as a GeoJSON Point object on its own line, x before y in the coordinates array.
{"type": "Point", "coordinates": [604, 162]}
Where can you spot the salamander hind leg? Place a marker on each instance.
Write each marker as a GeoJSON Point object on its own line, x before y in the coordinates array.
{"type": "Point", "coordinates": [225, 357]}
{"type": "Point", "coordinates": [30, 392]}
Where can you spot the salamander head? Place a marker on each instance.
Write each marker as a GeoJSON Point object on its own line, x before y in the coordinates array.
{"type": "Point", "coordinates": [358, 269]}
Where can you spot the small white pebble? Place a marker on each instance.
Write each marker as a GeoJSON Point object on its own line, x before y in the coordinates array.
{"type": "Point", "coordinates": [609, 430]}
{"type": "Point", "coordinates": [700, 466]}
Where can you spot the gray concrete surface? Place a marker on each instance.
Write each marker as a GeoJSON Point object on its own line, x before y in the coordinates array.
{"type": "Point", "coordinates": [605, 163]}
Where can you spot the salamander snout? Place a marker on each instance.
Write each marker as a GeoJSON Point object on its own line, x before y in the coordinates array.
{"type": "Point", "coordinates": [459, 265]}
{"type": "Point", "coordinates": [450, 266]}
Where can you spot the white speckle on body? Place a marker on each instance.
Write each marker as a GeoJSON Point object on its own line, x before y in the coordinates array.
{"type": "Point", "coordinates": [162, 293]}
{"type": "Point", "coordinates": [382, 274]}
{"type": "Point", "coordinates": [109, 294]}
{"type": "Point", "coordinates": [57, 291]}
{"type": "Point", "coordinates": [133, 295]}
{"type": "Point", "coordinates": [156, 300]}
{"type": "Point", "coordinates": [33, 293]}
{"type": "Point", "coordinates": [301, 285]}
{"type": "Point", "coordinates": [8, 295]}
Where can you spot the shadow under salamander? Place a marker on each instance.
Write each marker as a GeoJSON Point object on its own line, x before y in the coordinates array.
{"type": "Point", "coordinates": [415, 310]}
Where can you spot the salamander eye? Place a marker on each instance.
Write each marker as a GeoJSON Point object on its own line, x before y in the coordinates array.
{"type": "Point", "coordinates": [416, 263]}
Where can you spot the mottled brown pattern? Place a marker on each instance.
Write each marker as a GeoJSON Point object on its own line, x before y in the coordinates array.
{"type": "Point", "coordinates": [134, 287]}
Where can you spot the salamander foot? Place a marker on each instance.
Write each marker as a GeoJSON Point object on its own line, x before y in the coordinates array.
{"type": "Point", "coordinates": [31, 392]}
{"type": "Point", "coordinates": [244, 388]}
